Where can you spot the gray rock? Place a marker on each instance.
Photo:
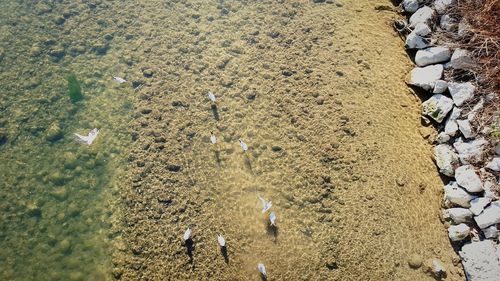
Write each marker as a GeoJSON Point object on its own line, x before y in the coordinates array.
{"type": "Point", "coordinates": [447, 23]}
{"type": "Point", "coordinates": [468, 179]}
{"type": "Point", "coordinates": [471, 151]}
{"type": "Point", "coordinates": [480, 260]}
{"type": "Point", "coordinates": [494, 164]}
{"type": "Point", "coordinates": [466, 128]}
{"type": "Point", "coordinates": [462, 59]}
{"type": "Point", "coordinates": [432, 55]}
{"type": "Point", "coordinates": [442, 5]}
{"type": "Point", "coordinates": [426, 77]}
{"type": "Point", "coordinates": [410, 6]}
{"type": "Point", "coordinates": [415, 41]}
{"type": "Point", "coordinates": [446, 159]}
{"type": "Point", "coordinates": [477, 205]}
{"type": "Point", "coordinates": [458, 232]}
{"type": "Point", "coordinates": [422, 29]}
{"type": "Point", "coordinates": [440, 87]}
{"type": "Point", "coordinates": [458, 215]}
{"type": "Point", "coordinates": [437, 107]}
{"type": "Point", "coordinates": [461, 92]}
{"type": "Point", "coordinates": [451, 126]}
{"type": "Point", "coordinates": [442, 138]}
{"type": "Point", "coordinates": [490, 232]}
{"type": "Point", "coordinates": [490, 215]}
{"type": "Point", "coordinates": [422, 15]}
{"type": "Point", "coordinates": [456, 195]}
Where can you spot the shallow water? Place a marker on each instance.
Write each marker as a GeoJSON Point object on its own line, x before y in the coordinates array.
{"type": "Point", "coordinates": [315, 89]}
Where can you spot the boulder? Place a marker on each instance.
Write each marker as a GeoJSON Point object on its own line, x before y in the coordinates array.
{"type": "Point", "coordinates": [442, 6]}
{"type": "Point", "coordinates": [494, 164]}
{"type": "Point", "coordinates": [410, 6]}
{"type": "Point", "coordinates": [461, 92]}
{"type": "Point", "coordinates": [437, 107]}
{"type": "Point", "coordinates": [422, 15]}
{"type": "Point", "coordinates": [467, 178]}
{"type": "Point", "coordinates": [462, 59]}
{"type": "Point", "coordinates": [480, 260]}
{"type": "Point", "coordinates": [456, 195]}
{"type": "Point", "coordinates": [426, 77]}
{"type": "Point", "coordinates": [447, 23]}
{"type": "Point", "coordinates": [490, 215]}
{"type": "Point", "coordinates": [490, 232]}
{"type": "Point", "coordinates": [446, 159]}
{"type": "Point", "coordinates": [477, 204]}
{"type": "Point", "coordinates": [440, 87]}
{"type": "Point", "coordinates": [458, 215]}
{"type": "Point", "coordinates": [458, 232]}
{"type": "Point", "coordinates": [471, 151]}
{"type": "Point", "coordinates": [432, 55]}
{"type": "Point", "coordinates": [415, 41]}
{"type": "Point", "coordinates": [465, 127]}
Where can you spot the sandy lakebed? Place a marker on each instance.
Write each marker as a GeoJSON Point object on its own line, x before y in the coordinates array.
{"type": "Point", "coordinates": [317, 92]}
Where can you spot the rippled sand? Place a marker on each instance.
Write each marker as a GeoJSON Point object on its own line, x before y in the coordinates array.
{"type": "Point", "coordinates": [315, 89]}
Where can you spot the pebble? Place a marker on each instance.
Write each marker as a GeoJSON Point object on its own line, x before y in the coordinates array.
{"type": "Point", "coordinates": [415, 261]}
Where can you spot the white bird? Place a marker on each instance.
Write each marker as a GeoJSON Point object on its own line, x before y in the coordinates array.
{"type": "Point", "coordinates": [211, 96]}
{"type": "Point", "coordinates": [187, 234]}
{"type": "Point", "coordinates": [265, 205]}
{"type": "Point", "coordinates": [89, 139]}
{"type": "Point", "coordinates": [243, 145]}
{"type": "Point", "coordinates": [119, 79]}
{"type": "Point", "coordinates": [262, 269]}
{"type": "Point", "coordinates": [213, 139]}
{"type": "Point", "coordinates": [221, 240]}
{"type": "Point", "coordinates": [272, 218]}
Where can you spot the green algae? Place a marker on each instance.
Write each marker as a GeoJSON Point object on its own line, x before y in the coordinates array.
{"type": "Point", "coordinates": [74, 88]}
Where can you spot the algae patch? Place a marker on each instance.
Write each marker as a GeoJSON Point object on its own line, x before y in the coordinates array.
{"type": "Point", "coordinates": [74, 88]}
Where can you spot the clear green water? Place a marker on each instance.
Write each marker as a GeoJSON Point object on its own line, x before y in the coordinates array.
{"type": "Point", "coordinates": [56, 195]}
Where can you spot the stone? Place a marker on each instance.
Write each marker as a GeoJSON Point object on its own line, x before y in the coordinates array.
{"type": "Point", "coordinates": [461, 92]}
{"type": "Point", "coordinates": [432, 55]}
{"type": "Point", "coordinates": [490, 215]}
{"type": "Point", "coordinates": [441, 6]}
{"type": "Point", "coordinates": [422, 15]}
{"type": "Point", "coordinates": [458, 232]}
{"type": "Point", "coordinates": [422, 29]}
{"type": "Point", "coordinates": [471, 151]}
{"type": "Point", "coordinates": [458, 215]}
{"type": "Point", "coordinates": [410, 6]}
{"type": "Point", "coordinates": [426, 77]}
{"type": "Point", "coordinates": [456, 195]}
{"type": "Point", "coordinates": [465, 127]}
{"type": "Point", "coordinates": [447, 23]}
{"type": "Point", "coordinates": [480, 260]}
{"type": "Point", "coordinates": [446, 159]}
{"type": "Point", "coordinates": [442, 138]}
{"type": "Point", "coordinates": [462, 59]}
{"type": "Point", "coordinates": [467, 178]}
{"type": "Point", "coordinates": [491, 232]}
{"type": "Point", "coordinates": [438, 270]}
{"type": "Point", "coordinates": [415, 41]}
{"type": "Point", "coordinates": [54, 133]}
{"type": "Point", "coordinates": [451, 126]}
{"type": "Point", "coordinates": [440, 87]}
{"type": "Point", "coordinates": [494, 164]}
{"type": "Point", "coordinates": [437, 107]}
{"type": "Point", "coordinates": [415, 261]}
{"type": "Point", "coordinates": [477, 204]}
{"type": "Point", "coordinates": [70, 160]}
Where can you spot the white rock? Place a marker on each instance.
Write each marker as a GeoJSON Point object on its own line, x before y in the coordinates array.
{"type": "Point", "coordinates": [458, 232]}
{"type": "Point", "coordinates": [442, 5]}
{"type": "Point", "coordinates": [446, 159]}
{"type": "Point", "coordinates": [447, 23]}
{"type": "Point", "coordinates": [437, 107]}
{"type": "Point", "coordinates": [442, 138]}
{"type": "Point", "coordinates": [461, 59]}
{"type": "Point", "coordinates": [438, 269]}
{"type": "Point", "coordinates": [497, 149]}
{"type": "Point", "coordinates": [471, 151]}
{"type": "Point", "coordinates": [489, 187]}
{"type": "Point", "coordinates": [458, 215]}
{"type": "Point", "coordinates": [456, 195]}
{"type": "Point", "coordinates": [491, 232]}
{"type": "Point", "coordinates": [422, 15]}
{"type": "Point", "coordinates": [494, 164]}
{"type": "Point", "coordinates": [451, 126]}
{"type": "Point", "coordinates": [432, 55]}
{"type": "Point", "coordinates": [415, 41]}
{"type": "Point", "coordinates": [411, 6]}
{"type": "Point", "coordinates": [461, 92]}
{"type": "Point", "coordinates": [440, 87]}
{"type": "Point", "coordinates": [480, 261]}
{"type": "Point", "coordinates": [467, 178]}
{"type": "Point", "coordinates": [466, 128]}
{"type": "Point", "coordinates": [477, 204]}
{"type": "Point", "coordinates": [426, 77]}
{"type": "Point", "coordinates": [422, 29]}
{"type": "Point", "coordinates": [490, 215]}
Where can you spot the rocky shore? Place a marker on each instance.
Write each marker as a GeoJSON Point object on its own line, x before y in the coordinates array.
{"type": "Point", "coordinates": [448, 78]}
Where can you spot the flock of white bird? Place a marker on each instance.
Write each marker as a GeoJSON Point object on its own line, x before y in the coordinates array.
{"type": "Point", "coordinates": [266, 205]}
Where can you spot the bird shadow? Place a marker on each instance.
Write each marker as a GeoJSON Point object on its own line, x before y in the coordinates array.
{"type": "Point", "coordinates": [272, 230]}
{"type": "Point", "coordinates": [215, 112]}
{"type": "Point", "coordinates": [190, 249]}
{"type": "Point", "coordinates": [248, 164]}
{"type": "Point", "coordinates": [217, 158]}
{"type": "Point", "coordinates": [223, 251]}
{"type": "Point", "coordinates": [263, 277]}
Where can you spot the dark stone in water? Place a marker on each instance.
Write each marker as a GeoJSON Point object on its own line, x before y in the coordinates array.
{"type": "Point", "coordinates": [288, 72]}
{"type": "Point", "coordinates": [332, 265]}
{"type": "Point", "coordinates": [251, 96]}
{"type": "Point", "coordinates": [174, 168]}
{"type": "Point", "coordinates": [276, 148]}
{"type": "Point", "coordinates": [273, 34]}
{"type": "Point", "coordinates": [319, 1]}
{"type": "Point", "coordinates": [146, 110]}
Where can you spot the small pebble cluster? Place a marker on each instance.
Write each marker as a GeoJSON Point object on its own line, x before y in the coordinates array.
{"type": "Point", "coordinates": [462, 148]}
